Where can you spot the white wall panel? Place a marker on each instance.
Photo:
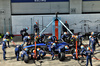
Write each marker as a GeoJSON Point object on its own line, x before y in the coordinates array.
{"type": "Point", "coordinates": [25, 8]}
{"type": "Point", "coordinates": [91, 6]}
{"type": "Point", "coordinates": [62, 7]}
{"type": "Point", "coordinates": [45, 7]}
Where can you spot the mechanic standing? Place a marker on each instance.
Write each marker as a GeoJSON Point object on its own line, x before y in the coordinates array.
{"type": "Point", "coordinates": [92, 42]}
{"type": "Point", "coordinates": [36, 28]}
{"type": "Point", "coordinates": [23, 31]}
{"type": "Point", "coordinates": [88, 56]}
{"type": "Point", "coordinates": [17, 50]}
{"type": "Point", "coordinates": [4, 47]}
{"type": "Point", "coordinates": [7, 36]}
{"type": "Point", "coordinates": [67, 25]}
{"type": "Point", "coordinates": [95, 38]}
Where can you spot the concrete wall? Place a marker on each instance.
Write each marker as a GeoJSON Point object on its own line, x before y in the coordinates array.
{"type": "Point", "coordinates": [5, 13]}
{"type": "Point", "coordinates": [45, 7]}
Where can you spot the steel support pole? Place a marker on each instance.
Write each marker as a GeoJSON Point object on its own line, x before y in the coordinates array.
{"type": "Point", "coordinates": [46, 27]}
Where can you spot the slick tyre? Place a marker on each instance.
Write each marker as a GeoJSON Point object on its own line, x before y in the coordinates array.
{"type": "Point", "coordinates": [26, 59]}
{"type": "Point", "coordinates": [72, 50]}
{"type": "Point", "coordinates": [61, 56]}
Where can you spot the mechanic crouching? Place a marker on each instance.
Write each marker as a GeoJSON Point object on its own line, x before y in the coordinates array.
{"type": "Point", "coordinates": [83, 50]}
{"type": "Point", "coordinates": [42, 38]}
{"type": "Point", "coordinates": [64, 37]}
{"type": "Point", "coordinates": [53, 46]}
{"type": "Point", "coordinates": [52, 38]}
{"type": "Point", "coordinates": [41, 53]}
{"type": "Point", "coordinates": [26, 39]}
{"type": "Point", "coordinates": [62, 48]}
{"type": "Point", "coordinates": [33, 55]}
{"type": "Point", "coordinates": [24, 52]}
{"type": "Point", "coordinates": [74, 55]}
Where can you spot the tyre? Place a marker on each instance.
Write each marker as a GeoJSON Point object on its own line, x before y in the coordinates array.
{"type": "Point", "coordinates": [26, 59]}
{"type": "Point", "coordinates": [61, 56]}
{"type": "Point", "coordinates": [72, 50]}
